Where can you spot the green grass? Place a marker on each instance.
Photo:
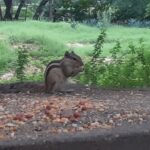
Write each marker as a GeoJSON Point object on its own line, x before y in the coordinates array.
{"type": "Point", "coordinates": [7, 56]}
{"type": "Point", "coordinates": [52, 39]}
{"type": "Point", "coordinates": [55, 36]}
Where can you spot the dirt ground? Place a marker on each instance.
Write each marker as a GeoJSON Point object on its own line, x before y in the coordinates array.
{"type": "Point", "coordinates": [27, 112]}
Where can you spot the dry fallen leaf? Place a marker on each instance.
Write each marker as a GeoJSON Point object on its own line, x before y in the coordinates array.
{"type": "Point", "coordinates": [19, 117]}
{"type": "Point", "coordinates": [105, 126]}
{"type": "Point", "coordinates": [3, 137]}
{"type": "Point", "coordinates": [64, 120]}
{"type": "Point", "coordinates": [29, 116]}
{"type": "Point", "coordinates": [77, 115]}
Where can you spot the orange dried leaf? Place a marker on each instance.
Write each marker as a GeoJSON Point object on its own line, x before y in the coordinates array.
{"type": "Point", "coordinates": [28, 116]}
{"type": "Point", "coordinates": [76, 115]}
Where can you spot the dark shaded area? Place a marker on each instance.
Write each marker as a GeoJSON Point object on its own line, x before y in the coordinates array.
{"type": "Point", "coordinates": [21, 87]}
{"type": "Point", "coordinates": [122, 138]}
{"type": "Point", "coordinates": [91, 12]}
{"type": "Point", "coordinates": [8, 13]}
{"type": "Point", "coordinates": [39, 9]}
{"type": "Point", "coordinates": [22, 2]}
{"type": "Point", "coordinates": [1, 15]}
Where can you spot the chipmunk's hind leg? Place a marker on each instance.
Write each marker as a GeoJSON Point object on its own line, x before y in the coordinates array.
{"type": "Point", "coordinates": [49, 87]}
{"type": "Point", "coordinates": [56, 87]}
{"type": "Point", "coordinates": [54, 83]}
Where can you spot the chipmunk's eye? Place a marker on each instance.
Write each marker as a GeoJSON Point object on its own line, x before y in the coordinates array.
{"type": "Point", "coordinates": [74, 58]}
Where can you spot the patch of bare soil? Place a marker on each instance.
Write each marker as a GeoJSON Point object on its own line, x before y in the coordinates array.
{"type": "Point", "coordinates": [29, 46]}
{"type": "Point", "coordinates": [27, 112]}
{"type": "Point", "coordinates": [78, 45]}
{"type": "Point", "coordinates": [7, 76]}
{"type": "Point", "coordinates": [2, 37]}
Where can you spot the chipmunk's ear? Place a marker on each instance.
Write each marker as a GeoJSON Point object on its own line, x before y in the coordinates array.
{"type": "Point", "coordinates": [72, 52]}
{"type": "Point", "coordinates": [67, 54]}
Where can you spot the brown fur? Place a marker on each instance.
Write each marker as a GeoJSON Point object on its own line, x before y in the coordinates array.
{"type": "Point", "coordinates": [57, 72]}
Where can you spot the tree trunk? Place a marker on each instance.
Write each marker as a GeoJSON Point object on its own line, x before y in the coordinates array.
{"type": "Point", "coordinates": [39, 9]}
{"type": "Point", "coordinates": [1, 16]}
{"type": "Point", "coordinates": [8, 13]}
{"type": "Point", "coordinates": [22, 2]}
{"type": "Point", "coordinates": [51, 2]}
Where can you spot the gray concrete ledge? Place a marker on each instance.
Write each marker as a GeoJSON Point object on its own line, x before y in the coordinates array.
{"type": "Point", "coordinates": [136, 137]}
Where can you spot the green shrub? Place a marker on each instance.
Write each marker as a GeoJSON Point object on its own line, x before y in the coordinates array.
{"type": "Point", "coordinates": [21, 63]}
{"type": "Point", "coordinates": [93, 67]}
{"type": "Point", "coordinates": [130, 68]}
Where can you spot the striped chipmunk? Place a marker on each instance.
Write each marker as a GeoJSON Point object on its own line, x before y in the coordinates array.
{"type": "Point", "coordinates": [57, 71]}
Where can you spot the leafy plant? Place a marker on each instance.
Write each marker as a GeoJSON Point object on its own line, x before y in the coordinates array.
{"type": "Point", "coordinates": [124, 69]}
{"type": "Point", "coordinates": [93, 67]}
{"type": "Point", "coordinates": [115, 50]}
{"type": "Point", "coordinates": [145, 65]}
{"type": "Point", "coordinates": [99, 45]}
{"type": "Point", "coordinates": [21, 63]}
